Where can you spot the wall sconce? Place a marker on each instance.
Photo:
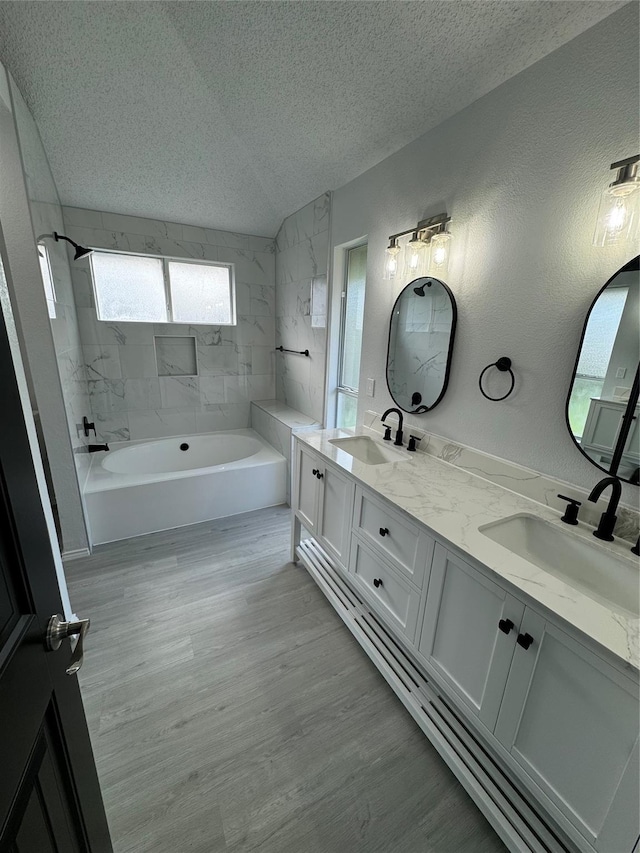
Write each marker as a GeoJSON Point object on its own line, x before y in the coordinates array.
{"type": "Point", "coordinates": [392, 261]}
{"type": "Point", "coordinates": [618, 212]}
{"type": "Point", "coordinates": [428, 248]}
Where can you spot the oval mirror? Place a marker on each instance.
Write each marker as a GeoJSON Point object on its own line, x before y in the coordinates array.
{"type": "Point", "coordinates": [421, 331]}
{"type": "Point", "coordinates": [602, 407]}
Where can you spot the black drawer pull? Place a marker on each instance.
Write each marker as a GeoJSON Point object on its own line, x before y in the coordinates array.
{"type": "Point", "coordinates": [377, 582]}
{"type": "Point", "coordinates": [506, 625]}
{"type": "Point", "coordinates": [319, 475]}
{"type": "Point", "coordinates": [384, 531]}
{"type": "Point", "coordinates": [524, 640]}
{"type": "Point", "coordinates": [315, 472]}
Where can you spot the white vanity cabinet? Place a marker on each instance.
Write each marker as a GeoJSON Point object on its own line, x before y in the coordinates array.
{"type": "Point", "coordinates": [469, 633]}
{"type": "Point", "coordinates": [555, 713]}
{"type": "Point", "coordinates": [569, 719]}
{"type": "Point", "coordinates": [323, 501]}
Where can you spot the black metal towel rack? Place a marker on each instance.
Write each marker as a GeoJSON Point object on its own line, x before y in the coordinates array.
{"type": "Point", "coordinates": [503, 365]}
{"type": "Point", "coordinates": [295, 351]}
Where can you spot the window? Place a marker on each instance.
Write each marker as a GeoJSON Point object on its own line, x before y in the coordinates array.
{"type": "Point", "coordinates": [146, 289]}
{"type": "Point", "coordinates": [596, 351]}
{"type": "Point", "coordinates": [351, 337]}
{"type": "Point", "coordinates": [47, 279]}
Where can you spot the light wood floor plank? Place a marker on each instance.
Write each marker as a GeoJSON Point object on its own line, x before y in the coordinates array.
{"type": "Point", "coordinates": [230, 710]}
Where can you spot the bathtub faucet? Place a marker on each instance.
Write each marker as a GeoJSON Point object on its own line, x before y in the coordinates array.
{"type": "Point", "coordinates": [94, 448]}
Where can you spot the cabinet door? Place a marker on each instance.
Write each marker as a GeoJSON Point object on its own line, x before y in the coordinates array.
{"type": "Point", "coordinates": [307, 488]}
{"type": "Point", "coordinates": [335, 512]}
{"type": "Point", "coordinates": [462, 640]}
{"type": "Point", "coordinates": [570, 720]}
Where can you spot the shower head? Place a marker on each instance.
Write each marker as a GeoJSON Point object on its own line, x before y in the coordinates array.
{"type": "Point", "coordinates": [81, 251]}
{"type": "Point", "coordinates": [419, 291]}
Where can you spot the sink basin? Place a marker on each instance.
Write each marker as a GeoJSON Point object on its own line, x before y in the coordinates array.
{"type": "Point", "coordinates": [602, 576]}
{"type": "Point", "coordinates": [367, 450]}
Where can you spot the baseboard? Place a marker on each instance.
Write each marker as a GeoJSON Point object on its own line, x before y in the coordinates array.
{"type": "Point", "coordinates": [67, 556]}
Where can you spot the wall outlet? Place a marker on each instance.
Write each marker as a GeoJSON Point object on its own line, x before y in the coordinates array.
{"type": "Point", "coordinates": [371, 387]}
{"type": "Point", "coordinates": [621, 372]}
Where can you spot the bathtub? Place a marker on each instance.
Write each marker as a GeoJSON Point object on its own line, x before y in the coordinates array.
{"type": "Point", "coordinates": [142, 487]}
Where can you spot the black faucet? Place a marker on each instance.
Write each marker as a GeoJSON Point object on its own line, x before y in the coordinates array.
{"type": "Point", "coordinates": [608, 518]}
{"type": "Point", "coordinates": [398, 440]}
{"type": "Point", "coordinates": [94, 448]}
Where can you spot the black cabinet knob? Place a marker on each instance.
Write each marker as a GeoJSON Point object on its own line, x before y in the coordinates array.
{"type": "Point", "coordinates": [377, 582]}
{"type": "Point", "coordinates": [524, 640]}
{"type": "Point", "coordinates": [384, 531]}
{"type": "Point", "coordinates": [319, 475]}
{"type": "Point", "coordinates": [315, 472]}
{"type": "Point", "coordinates": [506, 625]}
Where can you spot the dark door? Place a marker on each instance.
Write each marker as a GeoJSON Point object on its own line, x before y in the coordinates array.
{"type": "Point", "coordinates": [49, 794]}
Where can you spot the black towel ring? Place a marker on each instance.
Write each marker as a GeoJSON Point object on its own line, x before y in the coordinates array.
{"type": "Point", "coordinates": [503, 364]}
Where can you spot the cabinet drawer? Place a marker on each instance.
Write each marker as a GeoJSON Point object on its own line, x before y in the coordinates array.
{"type": "Point", "coordinates": [406, 546]}
{"type": "Point", "coordinates": [391, 596]}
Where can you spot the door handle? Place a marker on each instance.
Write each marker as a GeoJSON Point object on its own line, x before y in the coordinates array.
{"type": "Point", "coordinates": [505, 625]}
{"type": "Point", "coordinates": [58, 630]}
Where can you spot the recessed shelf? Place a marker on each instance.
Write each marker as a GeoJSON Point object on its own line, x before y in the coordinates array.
{"type": "Point", "coordinates": [176, 355]}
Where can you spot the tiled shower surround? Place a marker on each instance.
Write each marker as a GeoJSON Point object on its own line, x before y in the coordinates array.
{"type": "Point", "coordinates": [302, 253]}
{"type": "Point", "coordinates": [236, 364]}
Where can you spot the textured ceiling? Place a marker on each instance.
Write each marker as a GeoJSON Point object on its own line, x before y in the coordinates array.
{"type": "Point", "coordinates": [235, 114]}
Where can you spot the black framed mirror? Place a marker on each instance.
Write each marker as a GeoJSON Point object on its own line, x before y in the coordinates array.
{"type": "Point", "coordinates": [602, 406]}
{"type": "Point", "coordinates": [421, 333]}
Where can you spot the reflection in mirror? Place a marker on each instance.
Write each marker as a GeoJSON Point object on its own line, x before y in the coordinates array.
{"type": "Point", "coordinates": [602, 408]}
{"type": "Point", "coordinates": [421, 335]}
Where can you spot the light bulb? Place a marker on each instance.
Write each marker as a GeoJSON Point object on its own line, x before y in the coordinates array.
{"type": "Point", "coordinates": [440, 244]}
{"type": "Point", "coordinates": [618, 213]}
{"type": "Point", "coordinates": [415, 255]}
{"type": "Point", "coordinates": [391, 261]}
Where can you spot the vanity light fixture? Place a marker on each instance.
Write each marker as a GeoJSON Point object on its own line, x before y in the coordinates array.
{"type": "Point", "coordinates": [618, 213]}
{"type": "Point", "coordinates": [427, 248]}
{"type": "Point", "coordinates": [392, 261]}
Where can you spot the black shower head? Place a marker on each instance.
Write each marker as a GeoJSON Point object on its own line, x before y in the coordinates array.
{"type": "Point", "coordinates": [81, 251]}
{"type": "Point", "coordinates": [419, 291]}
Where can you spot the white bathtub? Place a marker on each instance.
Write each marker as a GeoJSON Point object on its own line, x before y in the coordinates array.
{"type": "Point", "coordinates": [144, 486]}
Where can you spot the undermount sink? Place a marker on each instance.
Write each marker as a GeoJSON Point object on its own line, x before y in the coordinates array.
{"type": "Point", "coordinates": [367, 450]}
{"type": "Point", "coordinates": [589, 568]}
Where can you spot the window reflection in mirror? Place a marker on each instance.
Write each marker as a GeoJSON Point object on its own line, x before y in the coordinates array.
{"type": "Point", "coordinates": [602, 410]}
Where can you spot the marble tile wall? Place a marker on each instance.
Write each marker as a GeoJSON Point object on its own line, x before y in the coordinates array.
{"type": "Point", "coordinates": [302, 253]}
{"type": "Point", "coordinates": [236, 364]}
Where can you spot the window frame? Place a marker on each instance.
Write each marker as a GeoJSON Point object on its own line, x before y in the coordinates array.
{"type": "Point", "coordinates": [166, 259]}
{"type": "Point", "coordinates": [341, 389]}
{"type": "Point", "coordinates": [53, 301]}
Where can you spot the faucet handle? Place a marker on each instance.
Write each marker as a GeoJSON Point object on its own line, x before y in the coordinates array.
{"type": "Point", "coordinates": [387, 433]}
{"type": "Point", "coordinates": [413, 439]}
{"type": "Point", "coordinates": [571, 512]}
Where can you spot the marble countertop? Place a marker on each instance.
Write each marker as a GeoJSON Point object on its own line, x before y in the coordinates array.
{"type": "Point", "coordinates": [453, 504]}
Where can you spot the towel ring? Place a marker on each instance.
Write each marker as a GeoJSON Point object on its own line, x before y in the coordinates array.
{"type": "Point", "coordinates": [503, 364]}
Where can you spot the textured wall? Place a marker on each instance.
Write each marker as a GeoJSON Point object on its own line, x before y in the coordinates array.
{"type": "Point", "coordinates": [235, 363]}
{"type": "Point", "coordinates": [521, 172]}
{"type": "Point", "coordinates": [302, 246]}
{"type": "Point", "coordinates": [58, 413]}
